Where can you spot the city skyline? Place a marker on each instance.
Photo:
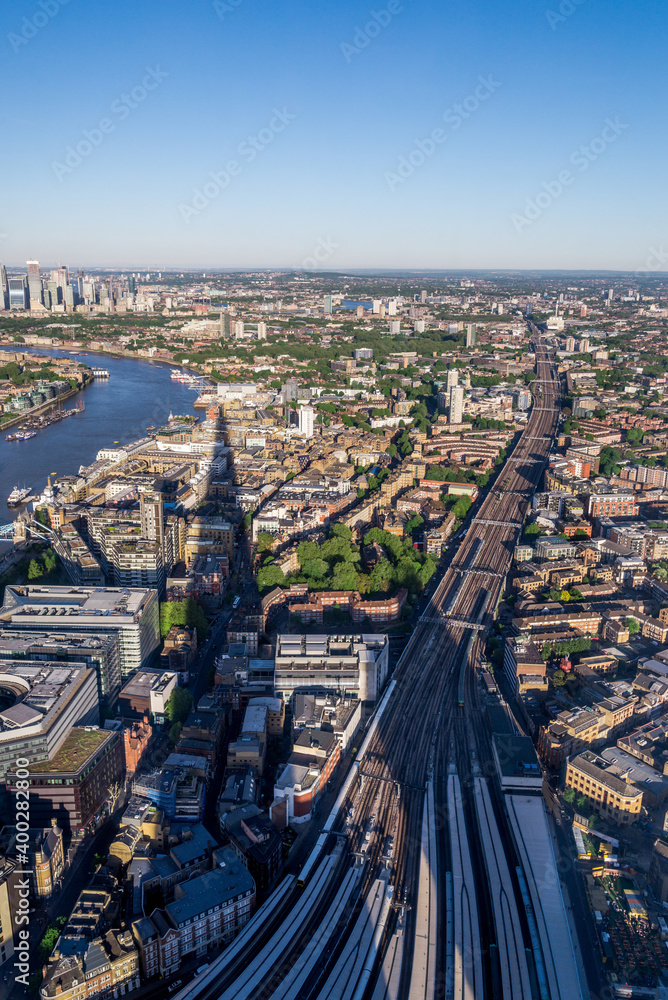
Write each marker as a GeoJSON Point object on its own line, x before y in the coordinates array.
{"type": "Point", "coordinates": [397, 136]}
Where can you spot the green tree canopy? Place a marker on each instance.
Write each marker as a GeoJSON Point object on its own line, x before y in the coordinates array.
{"type": "Point", "coordinates": [187, 612]}
{"type": "Point", "coordinates": [269, 577]}
{"type": "Point", "coordinates": [180, 705]}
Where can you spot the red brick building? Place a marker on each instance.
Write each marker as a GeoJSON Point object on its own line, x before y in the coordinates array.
{"type": "Point", "coordinates": [136, 739]}
{"type": "Point", "coordinates": [612, 505]}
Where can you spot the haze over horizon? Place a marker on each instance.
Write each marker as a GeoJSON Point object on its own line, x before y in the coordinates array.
{"type": "Point", "coordinates": [349, 136]}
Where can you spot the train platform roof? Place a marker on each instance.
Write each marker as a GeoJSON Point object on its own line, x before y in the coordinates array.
{"type": "Point", "coordinates": [532, 834]}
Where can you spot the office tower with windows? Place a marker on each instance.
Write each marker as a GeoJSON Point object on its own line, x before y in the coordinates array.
{"type": "Point", "coordinates": [328, 304]}
{"type": "Point", "coordinates": [470, 334]}
{"type": "Point", "coordinates": [453, 380]}
{"type": "Point", "coordinates": [34, 282]}
{"type": "Point", "coordinates": [4, 289]}
{"type": "Point", "coordinates": [18, 293]}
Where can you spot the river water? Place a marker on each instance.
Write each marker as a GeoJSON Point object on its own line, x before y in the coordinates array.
{"type": "Point", "coordinates": [120, 408]}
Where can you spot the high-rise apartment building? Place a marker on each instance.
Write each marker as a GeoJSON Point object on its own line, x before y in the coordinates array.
{"type": "Point", "coordinates": [470, 334]}
{"type": "Point", "coordinates": [456, 404]}
{"type": "Point", "coordinates": [306, 420]}
{"type": "Point", "coordinates": [4, 288]}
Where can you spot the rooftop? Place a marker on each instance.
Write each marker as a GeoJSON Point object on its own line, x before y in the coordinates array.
{"type": "Point", "coordinates": [225, 883]}
{"type": "Point", "coordinates": [79, 746]}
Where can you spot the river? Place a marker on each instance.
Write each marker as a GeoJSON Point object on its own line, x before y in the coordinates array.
{"type": "Point", "coordinates": [136, 394]}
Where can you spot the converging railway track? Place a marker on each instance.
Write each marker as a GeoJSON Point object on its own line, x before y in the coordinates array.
{"type": "Point", "coordinates": [412, 891]}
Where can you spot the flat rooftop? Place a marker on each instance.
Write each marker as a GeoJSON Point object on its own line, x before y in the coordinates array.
{"type": "Point", "coordinates": [79, 746]}
{"type": "Point", "coordinates": [532, 835]}
{"type": "Point", "coordinates": [61, 602]}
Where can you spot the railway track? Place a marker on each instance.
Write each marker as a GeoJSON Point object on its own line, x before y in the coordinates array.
{"type": "Point", "coordinates": [429, 744]}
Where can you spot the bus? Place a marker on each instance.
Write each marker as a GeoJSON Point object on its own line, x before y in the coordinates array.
{"type": "Point", "coordinates": [236, 602]}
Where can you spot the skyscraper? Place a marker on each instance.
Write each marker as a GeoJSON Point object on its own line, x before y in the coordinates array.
{"type": "Point", "coordinates": [18, 293]}
{"type": "Point", "coordinates": [470, 334]}
{"type": "Point", "coordinates": [262, 331]}
{"type": "Point", "coordinates": [306, 420]}
{"type": "Point", "coordinates": [54, 292]}
{"type": "Point", "coordinates": [34, 281]}
{"type": "Point", "coordinates": [456, 404]}
{"type": "Point", "coordinates": [328, 304]}
{"type": "Point", "coordinates": [4, 288]}
{"type": "Point", "coordinates": [453, 379]}
{"type": "Point", "coordinates": [224, 324]}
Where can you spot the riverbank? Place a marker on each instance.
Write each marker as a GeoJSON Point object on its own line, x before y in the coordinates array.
{"type": "Point", "coordinates": [70, 348]}
{"type": "Point", "coordinates": [36, 411]}
{"type": "Point", "coordinates": [119, 408]}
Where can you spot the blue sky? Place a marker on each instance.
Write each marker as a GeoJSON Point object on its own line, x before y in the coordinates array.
{"type": "Point", "coordinates": [317, 121]}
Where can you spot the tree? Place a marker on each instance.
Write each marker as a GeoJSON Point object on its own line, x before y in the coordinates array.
{"type": "Point", "coordinates": [271, 576]}
{"type": "Point", "coordinates": [415, 522]}
{"type": "Point", "coordinates": [341, 531]}
{"type": "Point", "coordinates": [316, 569]}
{"type": "Point", "coordinates": [34, 570]}
{"type": "Point", "coordinates": [188, 613]}
{"type": "Point", "coordinates": [569, 796]}
{"type": "Point", "coordinates": [461, 507]}
{"type": "Point", "coordinates": [532, 529]}
{"type": "Point", "coordinates": [175, 732]}
{"type": "Point", "coordinates": [179, 705]}
{"type": "Point", "coordinates": [264, 541]}
{"type": "Point", "coordinates": [632, 625]}
{"type": "Point", "coordinates": [564, 596]}
{"type": "Point", "coordinates": [559, 678]}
